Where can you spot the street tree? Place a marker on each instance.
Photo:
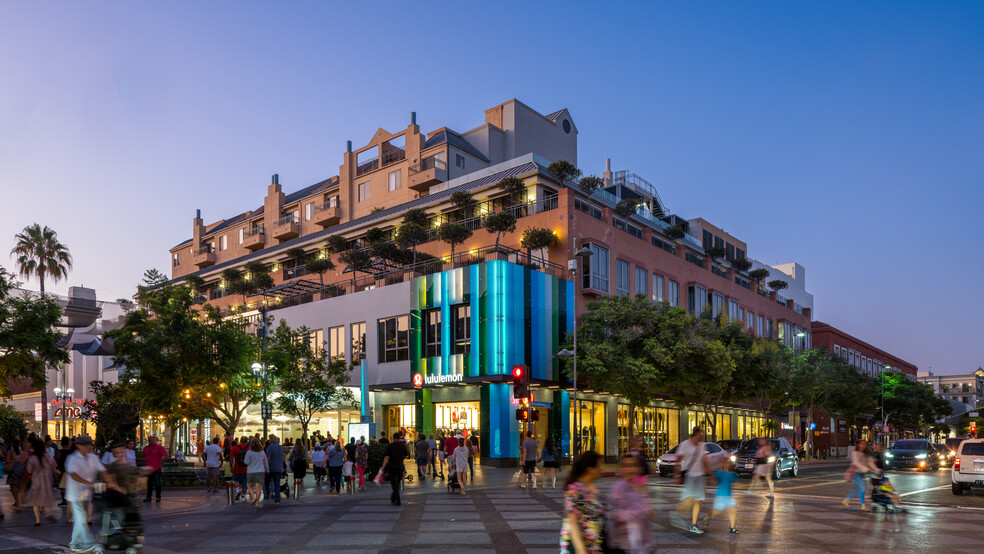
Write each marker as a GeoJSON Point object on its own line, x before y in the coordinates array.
{"type": "Point", "coordinates": [115, 410]}
{"type": "Point", "coordinates": [498, 223]}
{"type": "Point", "coordinates": [12, 424]}
{"type": "Point", "coordinates": [186, 360]}
{"type": "Point", "coordinates": [464, 203]}
{"type": "Point", "coordinates": [814, 381]}
{"type": "Point", "coordinates": [319, 265]}
{"type": "Point", "coordinates": [411, 234]}
{"type": "Point", "coordinates": [910, 404]}
{"type": "Point", "coordinates": [40, 254]}
{"type": "Point", "coordinates": [537, 238]}
{"type": "Point", "coordinates": [29, 336]}
{"type": "Point", "coordinates": [309, 382]}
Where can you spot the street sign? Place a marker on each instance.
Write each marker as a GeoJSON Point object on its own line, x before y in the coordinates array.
{"type": "Point", "coordinates": [539, 404]}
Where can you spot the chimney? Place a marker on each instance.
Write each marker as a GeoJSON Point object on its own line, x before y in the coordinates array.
{"type": "Point", "coordinates": [413, 118]}
{"type": "Point", "coordinates": [198, 229]}
{"type": "Point", "coordinates": [607, 176]}
{"type": "Point", "coordinates": [348, 146]}
{"type": "Point", "coordinates": [275, 179]}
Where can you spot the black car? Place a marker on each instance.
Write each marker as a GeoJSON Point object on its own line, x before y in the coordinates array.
{"type": "Point", "coordinates": [915, 453]}
{"type": "Point", "coordinates": [945, 454]}
{"type": "Point", "coordinates": [731, 445]}
{"type": "Point", "coordinates": [783, 454]}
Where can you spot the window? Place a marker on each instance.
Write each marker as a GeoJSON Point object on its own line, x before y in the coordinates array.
{"type": "Point", "coordinates": [718, 241]}
{"type": "Point", "coordinates": [733, 314]}
{"type": "Point", "coordinates": [336, 343]}
{"type": "Point", "coordinates": [223, 242]}
{"type": "Point", "coordinates": [658, 288]}
{"type": "Point", "coordinates": [621, 277]}
{"type": "Point", "coordinates": [694, 258]}
{"type": "Point", "coordinates": [459, 161]}
{"type": "Point", "coordinates": [696, 299]}
{"type": "Point", "coordinates": [750, 324]}
{"type": "Point", "coordinates": [663, 244]}
{"type": "Point", "coordinates": [708, 239]}
{"type": "Point", "coordinates": [717, 304]}
{"type": "Point", "coordinates": [641, 280]}
{"type": "Point", "coordinates": [363, 191]}
{"type": "Point", "coordinates": [596, 270]}
{"type": "Point", "coordinates": [729, 251]}
{"type": "Point", "coordinates": [432, 333]}
{"type": "Point", "coordinates": [315, 340]}
{"type": "Point", "coordinates": [394, 339]}
{"type": "Point", "coordinates": [242, 233]}
{"type": "Point", "coordinates": [308, 211]}
{"type": "Point", "coordinates": [394, 180]}
{"type": "Point", "coordinates": [768, 328]}
{"type": "Point", "coordinates": [674, 294]}
{"type": "Point", "coordinates": [175, 260]}
{"type": "Point", "coordinates": [461, 316]}
{"type": "Point", "coordinates": [629, 228]}
{"type": "Point", "coordinates": [582, 206]}
{"type": "Point", "coordinates": [358, 341]}
{"type": "Point", "coordinates": [739, 253]}
{"type": "Point", "coordinates": [331, 201]}
{"type": "Point", "coordinates": [761, 325]}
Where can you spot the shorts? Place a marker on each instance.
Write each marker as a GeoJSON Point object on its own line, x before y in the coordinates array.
{"type": "Point", "coordinates": [693, 487]}
{"type": "Point", "coordinates": [255, 478]}
{"type": "Point", "coordinates": [553, 464]}
{"type": "Point", "coordinates": [240, 478]}
{"type": "Point", "coordinates": [529, 466]}
{"type": "Point", "coordinates": [721, 503]}
{"type": "Point", "coordinates": [762, 469]}
{"type": "Point", "coordinates": [421, 462]}
{"type": "Point", "coordinates": [211, 472]}
{"type": "Point", "coordinates": [440, 455]}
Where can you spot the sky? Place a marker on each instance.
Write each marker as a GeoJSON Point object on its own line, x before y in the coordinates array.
{"type": "Point", "coordinates": [846, 136]}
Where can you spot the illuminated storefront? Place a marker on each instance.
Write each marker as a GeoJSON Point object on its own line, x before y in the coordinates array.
{"type": "Point", "coordinates": [659, 428]}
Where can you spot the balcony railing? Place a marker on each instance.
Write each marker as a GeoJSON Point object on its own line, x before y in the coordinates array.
{"type": "Point", "coordinates": [287, 219]}
{"type": "Point", "coordinates": [393, 156]}
{"type": "Point", "coordinates": [204, 250]}
{"type": "Point", "coordinates": [367, 166]}
{"type": "Point", "coordinates": [719, 271]}
{"type": "Point", "coordinates": [431, 162]}
{"type": "Point", "coordinates": [255, 230]}
{"type": "Point", "coordinates": [327, 204]}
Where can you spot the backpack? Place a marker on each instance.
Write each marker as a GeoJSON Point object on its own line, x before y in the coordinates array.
{"type": "Point", "coordinates": [241, 457]}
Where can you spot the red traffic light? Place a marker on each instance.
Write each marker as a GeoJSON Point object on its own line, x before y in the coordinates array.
{"type": "Point", "coordinates": [518, 371]}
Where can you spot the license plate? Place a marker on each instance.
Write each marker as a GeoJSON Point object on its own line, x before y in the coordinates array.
{"type": "Point", "coordinates": [749, 466]}
{"type": "Point", "coordinates": [978, 465]}
{"type": "Point", "coordinates": [979, 483]}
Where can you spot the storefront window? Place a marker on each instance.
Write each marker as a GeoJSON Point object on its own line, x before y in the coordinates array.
{"type": "Point", "coordinates": [457, 416]}
{"type": "Point", "coordinates": [591, 422]}
{"type": "Point", "coordinates": [400, 418]}
{"type": "Point", "coordinates": [703, 419]}
{"type": "Point", "coordinates": [658, 427]}
{"type": "Point", "coordinates": [750, 426]}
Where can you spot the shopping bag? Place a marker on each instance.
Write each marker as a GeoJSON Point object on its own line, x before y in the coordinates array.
{"type": "Point", "coordinates": [379, 478]}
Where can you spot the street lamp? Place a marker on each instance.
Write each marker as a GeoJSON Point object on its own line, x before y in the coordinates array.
{"type": "Point", "coordinates": [260, 372]}
{"type": "Point", "coordinates": [63, 397]}
{"type": "Point", "coordinates": [582, 254]}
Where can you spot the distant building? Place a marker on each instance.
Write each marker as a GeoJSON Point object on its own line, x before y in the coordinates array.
{"type": "Point", "coordinates": [869, 359]}
{"type": "Point", "coordinates": [967, 389]}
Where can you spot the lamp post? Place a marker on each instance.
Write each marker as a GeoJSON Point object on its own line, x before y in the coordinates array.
{"type": "Point", "coordinates": [259, 370]}
{"type": "Point", "coordinates": [887, 367]}
{"type": "Point", "coordinates": [63, 397]}
{"type": "Point", "coordinates": [572, 265]}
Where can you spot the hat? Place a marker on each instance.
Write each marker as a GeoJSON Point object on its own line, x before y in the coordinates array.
{"type": "Point", "coordinates": [358, 441]}
{"type": "Point", "coordinates": [459, 436]}
{"type": "Point", "coordinates": [83, 440]}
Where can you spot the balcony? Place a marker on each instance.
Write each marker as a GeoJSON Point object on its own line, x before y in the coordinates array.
{"type": "Point", "coordinates": [204, 257]}
{"type": "Point", "coordinates": [254, 239]}
{"type": "Point", "coordinates": [328, 213]}
{"type": "Point", "coordinates": [429, 172]}
{"type": "Point", "coordinates": [286, 228]}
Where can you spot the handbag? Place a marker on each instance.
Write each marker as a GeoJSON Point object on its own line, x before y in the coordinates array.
{"type": "Point", "coordinates": [849, 474]}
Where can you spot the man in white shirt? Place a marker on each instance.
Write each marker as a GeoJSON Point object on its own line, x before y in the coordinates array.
{"type": "Point", "coordinates": [213, 465]}
{"type": "Point", "coordinates": [690, 471]}
{"type": "Point", "coordinates": [83, 466]}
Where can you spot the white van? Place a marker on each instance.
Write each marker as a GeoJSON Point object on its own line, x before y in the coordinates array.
{"type": "Point", "coordinates": [968, 466]}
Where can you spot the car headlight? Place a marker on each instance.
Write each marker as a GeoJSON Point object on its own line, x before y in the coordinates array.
{"type": "Point", "coordinates": [889, 455]}
{"type": "Point", "coordinates": [734, 458]}
{"type": "Point", "coordinates": [772, 459]}
{"type": "Point", "coordinates": [920, 456]}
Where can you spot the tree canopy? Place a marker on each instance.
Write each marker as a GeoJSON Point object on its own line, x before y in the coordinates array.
{"type": "Point", "coordinates": [29, 335]}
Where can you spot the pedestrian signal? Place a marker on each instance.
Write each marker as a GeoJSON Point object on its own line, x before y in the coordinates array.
{"type": "Point", "coordinates": [521, 380]}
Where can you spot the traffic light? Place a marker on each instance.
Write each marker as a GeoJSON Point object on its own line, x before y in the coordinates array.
{"type": "Point", "coordinates": [521, 379]}
{"type": "Point", "coordinates": [522, 414]}
{"type": "Point", "coordinates": [535, 415]}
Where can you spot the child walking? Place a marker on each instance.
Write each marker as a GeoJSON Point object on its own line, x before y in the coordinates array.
{"type": "Point", "coordinates": [724, 499]}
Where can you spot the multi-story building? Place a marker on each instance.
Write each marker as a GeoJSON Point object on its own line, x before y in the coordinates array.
{"type": "Point", "coordinates": [462, 322]}
{"type": "Point", "coordinates": [967, 389]}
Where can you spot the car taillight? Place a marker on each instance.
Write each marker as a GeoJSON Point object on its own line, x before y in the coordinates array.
{"type": "Point", "coordinates": [956, 463]}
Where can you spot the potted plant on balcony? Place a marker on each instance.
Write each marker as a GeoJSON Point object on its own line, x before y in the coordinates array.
{"type": "Point", "coordinates": [320, 264]}
{"type": "Point", "coordinates": [675, 232]}
{"type": "Point", "coordinates": [498, 223]}
{"type": "Point", "coordinates": [513, 187]}
{"type": "Point", "coordinates": [464, 204]}
{"type": "Point", "coordinates": [296, 257]}
{"type": "Point", "coordinates": [453, 234]}
{"type": "Point", "coordinates": [759, 276]}
{"type": "Point", "coordinates": [741, 264]}
{"type": "Point", "coordinates": [590, 184]}
{"type": "Point", "coordinates": [627, 206]}
{"type": "Point", "coordinates": [537, 238]}
{"type": "Point", "coordinates": [715, 252]}
{"type": "Point", "coordinates": [777, 285]}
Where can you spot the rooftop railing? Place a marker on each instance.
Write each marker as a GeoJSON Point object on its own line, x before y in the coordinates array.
{"type": "Point", "coordinates": [431, 162]}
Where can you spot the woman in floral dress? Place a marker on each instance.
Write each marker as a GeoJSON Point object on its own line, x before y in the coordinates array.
{"type": "Point", "coordinates": [361, 461]}
{"type": "Point", "coordinates": [584, 512]}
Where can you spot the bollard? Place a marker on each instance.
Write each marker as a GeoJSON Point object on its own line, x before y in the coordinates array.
{"type": "Point", "coordinates": [297, 489]}
{"type": "Point", "coordinates": [229, 492]}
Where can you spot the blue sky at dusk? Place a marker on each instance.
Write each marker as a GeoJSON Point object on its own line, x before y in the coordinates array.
{"type": "Point", "coordinates": [848, 137]}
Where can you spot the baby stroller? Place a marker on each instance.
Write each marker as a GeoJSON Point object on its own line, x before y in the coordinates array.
{"type": "Point", "coordinates": [122, 529]}
{"type": "Point", "coordinates": [285, 485]}
{"type": "Point", "coordinates": [882, 492]}
{"type": "Point", "coordinates": [453, 484]}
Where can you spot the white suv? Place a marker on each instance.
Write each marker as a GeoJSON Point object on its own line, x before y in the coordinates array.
{"type": "Point", "coordinates": [968, 466]}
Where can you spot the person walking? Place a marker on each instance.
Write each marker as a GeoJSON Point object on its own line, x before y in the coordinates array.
{"type": "Point", "coordinates": [318, 458]}
{"type": "Point", "coordinates": [691, 470]}
{"type": "Point", "coordinates": [639, 451]}
{"type": "Point", "coordinates": [131, 454]}
{"type": "Point", "coordinates": [584, 511]}
{"type": "Point", "coordinates": [550, 464]}
{"type": "Point", "coordinates": [275, 461]}
{"type": "Point", "coordinates": [441, 454]}
{"type": "Point", "coordinates": [154, 455]}
{"type": "Point", "coordinates": [627, 527]}
{"type": "Point", "coordinates": [67, 448]}
{"type": "Point", "coordinates": [432, 455]}
{"type": "Point", "coordinates": [724, 498]}
{"type": "Point", "coordinates": [529, 461]}
{"type": "Point", "coordinates": [298, 462]}
{"type": "Point", "coordinates": [361, 461]}
{"type": "Point", "coordinates": [213, 465]}
{"type": "Point", "coordinates": [450, 444]}
{"type": "Point", "coordinates": [350, 449]}
{"type": "Point", "coordinates": [472, 452]}
{"type": "Point", "coordinates": [83, 466]}
{"type": "Point", "coordinates": [461, 454]}
{"type": "Point", "coordinates": [336, 459]}
{"type": "Point", "coordinates": [422, 450]}
{"type": "Point", "coordinates": [14, 461]}
{"type": "Point", "coordinates": [42, 467]}
{"type": "Point", "coordinates": [238, 465]}
{"type": "Point", "coordinates": [382, 437]}
{"type": "Point", "coordinates": [393, 466]}
{"type": "Point", "coordinates": [257, 466]}
{"type": "Point", "coordinates": [764, 468]}
{"type": "Point", "coordinates": [857, 472]}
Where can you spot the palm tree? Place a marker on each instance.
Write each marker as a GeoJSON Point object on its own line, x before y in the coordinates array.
{"type": "Point", "coordinates": [39, 254]}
